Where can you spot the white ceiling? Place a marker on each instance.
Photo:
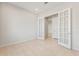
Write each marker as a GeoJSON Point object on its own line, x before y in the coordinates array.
{"type": "Point", "coordinates": [36, 7]}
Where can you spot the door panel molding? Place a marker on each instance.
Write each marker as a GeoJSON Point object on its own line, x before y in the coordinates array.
{"type": "Point", "coordinates": [65, 28]}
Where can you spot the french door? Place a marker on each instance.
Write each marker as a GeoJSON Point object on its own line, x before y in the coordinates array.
{"type": "Point", "coordinates": [40, 28]}
{"type": "Point", "coordinates": [65, 28]}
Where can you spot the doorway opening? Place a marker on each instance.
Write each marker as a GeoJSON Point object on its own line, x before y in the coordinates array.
{"type": "Point", "coordinates": [52, 27]}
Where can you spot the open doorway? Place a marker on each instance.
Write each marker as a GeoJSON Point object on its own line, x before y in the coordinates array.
{"type": "Point", "coordinates": [51, 26]}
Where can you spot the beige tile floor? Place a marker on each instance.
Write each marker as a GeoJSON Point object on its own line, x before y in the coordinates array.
{"type": "Point", "coordinates": [47, 47]}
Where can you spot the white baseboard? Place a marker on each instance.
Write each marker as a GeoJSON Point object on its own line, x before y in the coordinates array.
{"type": "Point", "coordinates": [12, 43]}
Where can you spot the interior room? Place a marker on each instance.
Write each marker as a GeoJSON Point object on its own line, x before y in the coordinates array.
{"type": "Point", "coordinates": [39, 29]}
{"type": "Point", "coordinates": [52, 26]}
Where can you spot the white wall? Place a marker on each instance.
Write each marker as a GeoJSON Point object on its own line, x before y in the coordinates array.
{"type": "Point", "coordinates": [17, 24]}
{"type": "Point", "coordinates": [75, 20]}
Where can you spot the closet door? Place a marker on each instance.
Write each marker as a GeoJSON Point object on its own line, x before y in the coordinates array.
{"type": "Point", "coordinates": [65, 28]}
